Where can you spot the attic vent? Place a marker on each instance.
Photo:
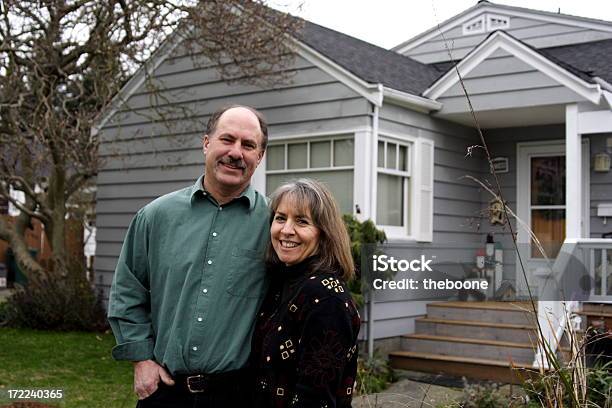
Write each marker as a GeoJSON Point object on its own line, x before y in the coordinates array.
{"type": "Point", "coordinates": [495, 22]}
{"type": "Point", "coordinates": [475, 26]}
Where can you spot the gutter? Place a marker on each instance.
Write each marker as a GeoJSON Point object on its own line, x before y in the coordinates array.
{"type": "Point", "coordinates": [410, 101]}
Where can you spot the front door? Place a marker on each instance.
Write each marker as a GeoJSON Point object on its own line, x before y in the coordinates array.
{"type": "Point", "coordinates": [541, 207]}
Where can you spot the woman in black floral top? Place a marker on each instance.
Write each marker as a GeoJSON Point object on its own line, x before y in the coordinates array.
{"type": "Point", "coordinates": [304, 348]}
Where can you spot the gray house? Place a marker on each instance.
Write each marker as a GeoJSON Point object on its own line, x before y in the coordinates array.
{"type": "Point", "coordinates": [390, 131]}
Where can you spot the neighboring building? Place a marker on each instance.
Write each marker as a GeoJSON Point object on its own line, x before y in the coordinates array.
{"type": "Point", "coordinates": [389, 131]}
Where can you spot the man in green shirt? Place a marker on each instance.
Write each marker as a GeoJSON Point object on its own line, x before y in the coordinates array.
{"type": "Point", "coordinates": [191, 276]}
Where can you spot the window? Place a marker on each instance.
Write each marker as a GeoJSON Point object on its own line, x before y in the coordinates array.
{"type": "Point", "coordinates": [393, 191]}
{"type": "Point", "coordinates": [329, 160]}
{"type": "Point", "coordinates": [404, 192]}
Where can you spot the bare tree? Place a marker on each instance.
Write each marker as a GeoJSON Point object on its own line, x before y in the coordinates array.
{"type": "Point", "coordinates": [63, 61]}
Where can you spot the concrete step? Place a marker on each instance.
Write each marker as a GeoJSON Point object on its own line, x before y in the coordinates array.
{"type": "Point", "coordinates": [468, 347]}
{"type": "Point", "coordinates": [476, 368]}
{"type": "Point", "coordinates": [518, 314]}
{"type": "Point", "coordinates": [518, 333]}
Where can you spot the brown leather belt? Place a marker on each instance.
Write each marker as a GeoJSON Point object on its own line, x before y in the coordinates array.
{"type": "Point", "coordinates": [211, 382]}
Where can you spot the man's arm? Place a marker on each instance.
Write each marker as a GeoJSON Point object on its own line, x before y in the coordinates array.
{"type": "Point", "coordinates": [129, 310]}
{"type": "Point", "coordinates": [129, 303]}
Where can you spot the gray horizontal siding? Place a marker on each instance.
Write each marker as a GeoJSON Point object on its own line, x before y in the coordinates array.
{"type": "Point", "coordinates": [534, 32]}
{"type": "Point", "coordinates": [456, 203]}
{"type": "Point", "coordinates": [145, 158]}
{"type": "Point", "coordinates": [601, 188]}
{"type": "Point", "coordinates": [503, 81]}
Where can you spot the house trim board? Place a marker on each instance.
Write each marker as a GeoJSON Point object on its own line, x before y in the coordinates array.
{"type": "Point", "coordinates": [478, 9]}
{"type": "Point", "coordinates": [501, 40]}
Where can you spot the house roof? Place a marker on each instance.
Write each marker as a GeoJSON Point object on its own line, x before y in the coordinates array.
{"type": "Point", "coordinates": [487, 6]}
{"type": "Point", "coordinates": [585, 60]}
{"type": "Point", "coordinates": [369, 62]}
{"type": "Point", "coordinates": [564, 73]}
{"type": "Point", "coordinates": [593, 59]}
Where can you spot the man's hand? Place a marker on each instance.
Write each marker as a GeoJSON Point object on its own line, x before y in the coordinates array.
{"type": "Point", "coordinates": [146, 377]}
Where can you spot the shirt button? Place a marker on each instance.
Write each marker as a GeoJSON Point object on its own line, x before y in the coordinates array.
{"type": "Point", "coordinates": [214, 234]}
{"type": "Point", "coordinates": [209, 262]}
{"type": "Point", "coordinates": [194, 348]}
{"type": "Point", "coordinates": [205, 290]}
{"type": "Point", "coordinates": [200, 319]}
{"type": "Point", "coordinates": [220, 208]}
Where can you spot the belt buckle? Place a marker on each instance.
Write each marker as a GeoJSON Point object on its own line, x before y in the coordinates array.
{"type": "Point", "coordinates": [195, 383]}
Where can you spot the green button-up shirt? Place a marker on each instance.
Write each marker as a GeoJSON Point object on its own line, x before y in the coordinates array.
{"type": "Point", "coordinates": [189, 281]}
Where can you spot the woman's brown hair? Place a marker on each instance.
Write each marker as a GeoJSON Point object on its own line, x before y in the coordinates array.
{"type": "Point", "coordinates": [334, 248]}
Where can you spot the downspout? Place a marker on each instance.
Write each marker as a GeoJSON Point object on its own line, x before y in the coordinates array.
{"type": "Point", "coordinates": [374, 164]}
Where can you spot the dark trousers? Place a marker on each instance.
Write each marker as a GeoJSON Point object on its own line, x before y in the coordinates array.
{"type": "Point", "coordinates": [233, 394]}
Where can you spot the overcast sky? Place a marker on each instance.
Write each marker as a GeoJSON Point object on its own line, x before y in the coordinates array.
{"type": "Point", "coordinates": [387, 23]}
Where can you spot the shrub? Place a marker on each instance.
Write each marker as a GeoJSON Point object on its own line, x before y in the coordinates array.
{"type": "Point", "coordinates": [373, 375]}
{"type": "Point", "coordinates": [56, 302]}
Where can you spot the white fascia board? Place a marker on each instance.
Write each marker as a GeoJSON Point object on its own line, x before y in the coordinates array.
{"type": "Point", "coordinates": [595, 122]}
{"type": "Point", "coordinates": [371, 92]}
{"type": "Point", "coordinates": [410, 101]}
{"type": "Point", "coordinates": [501, 40]}
{"type": "Point", "coordinates": [461, 18]}
{"type": "Point", "coordinates": [137, 79]}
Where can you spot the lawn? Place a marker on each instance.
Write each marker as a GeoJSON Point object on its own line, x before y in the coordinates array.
{"type": "Point", "coordinates": [78, 363]}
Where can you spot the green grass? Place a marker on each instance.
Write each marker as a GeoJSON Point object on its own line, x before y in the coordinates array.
{"type": "Point", "coordinates": [78, 363]}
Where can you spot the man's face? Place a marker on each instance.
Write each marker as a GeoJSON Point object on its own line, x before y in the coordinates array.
{"type": "Point", "coordinates": [233, 151]}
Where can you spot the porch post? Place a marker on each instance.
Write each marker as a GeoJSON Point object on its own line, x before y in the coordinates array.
{"type": "Point", "coordinates": [573, 173]}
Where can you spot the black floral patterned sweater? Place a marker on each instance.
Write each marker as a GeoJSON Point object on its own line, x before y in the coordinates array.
{"type": "Point", "coordinates": [304, 348]}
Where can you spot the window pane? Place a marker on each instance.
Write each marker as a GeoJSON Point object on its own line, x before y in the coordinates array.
{"type": "Point", "coordinates": [381, 154]}
{"type": "Point", "coordinates": [275, 157]}
{"type": "Point", "coordinates": [340, 184]}
{"type": "Point", "coordinates": [548, 180]}
{"type": "Point", "coordinates": [403, 158]}
{"type": "Point", "coordinates": [391, 152]}
{"type": "Point", "coordinates": [297, 156]}
{"type": "Point", "coordinates": [390, 200]}
{"type": "Point", "coordinates": [549, 227]}
{"type": "Point", "coordinates": [343, 152]}
{"type": "Point", "coordinates": [320, 154]}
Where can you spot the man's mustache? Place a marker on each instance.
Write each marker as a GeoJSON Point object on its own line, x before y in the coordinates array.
{"type": "Point", "coordinates": [233, 162]}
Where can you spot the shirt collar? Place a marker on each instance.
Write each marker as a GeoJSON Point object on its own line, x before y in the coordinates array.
{"type": "Point", "coordinates": [249, 193]}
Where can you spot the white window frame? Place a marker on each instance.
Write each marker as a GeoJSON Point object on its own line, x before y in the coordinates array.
{"type": "Point", "coordinates": [331, 137]}
{"type": "Point", "coordinates": [308, 141]}
{"type": "Point", "coordinates": [406, 230]}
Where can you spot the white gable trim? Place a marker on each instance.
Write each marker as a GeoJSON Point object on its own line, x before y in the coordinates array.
{"type": "Point", "coordinates": [501, 40]}
{"type": "Point", "coordinates": [482, 8]}
{"type": "Point", "coordinates": [371, 92]}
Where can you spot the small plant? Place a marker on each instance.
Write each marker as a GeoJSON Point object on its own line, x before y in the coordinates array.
{"type": "Point", "coordinates": [483, 396]}
{"type": "Point", "coordinates": [373, 375]}
{"type": "Point", "coordinates": [361, 233]}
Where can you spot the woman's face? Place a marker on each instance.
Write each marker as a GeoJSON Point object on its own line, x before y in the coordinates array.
{"type": "Point", "coordinates": [294, 235]}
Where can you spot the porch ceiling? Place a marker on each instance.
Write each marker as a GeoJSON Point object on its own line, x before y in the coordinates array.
{"type": "Point", "coordinates": [515, 117]}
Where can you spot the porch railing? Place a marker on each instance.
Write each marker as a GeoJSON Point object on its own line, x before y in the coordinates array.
{"type": "Point", "coordinates": [579, 273]}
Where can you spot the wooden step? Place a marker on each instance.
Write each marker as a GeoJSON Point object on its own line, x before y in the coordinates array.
{"type": "Point", "coordinates": [597, 307]}
{"type": "Point", "coordinates": [519, 333]}
{"type": "Point", "coordinates": [518, 313]}
{"type": "Point", "coordinates": [469, 347]}
{"type": "Point", "coordinates": [476, 368]}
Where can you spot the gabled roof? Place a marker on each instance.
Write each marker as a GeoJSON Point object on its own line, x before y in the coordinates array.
{"type": "Point", "coordinates": [369, 62]}
{"type": "Point", "coordinates": [487, 6]}
{"type": "Point", "coordinates": [565, 74]}
{"type": "Point", "coordinates": [593, 58]}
